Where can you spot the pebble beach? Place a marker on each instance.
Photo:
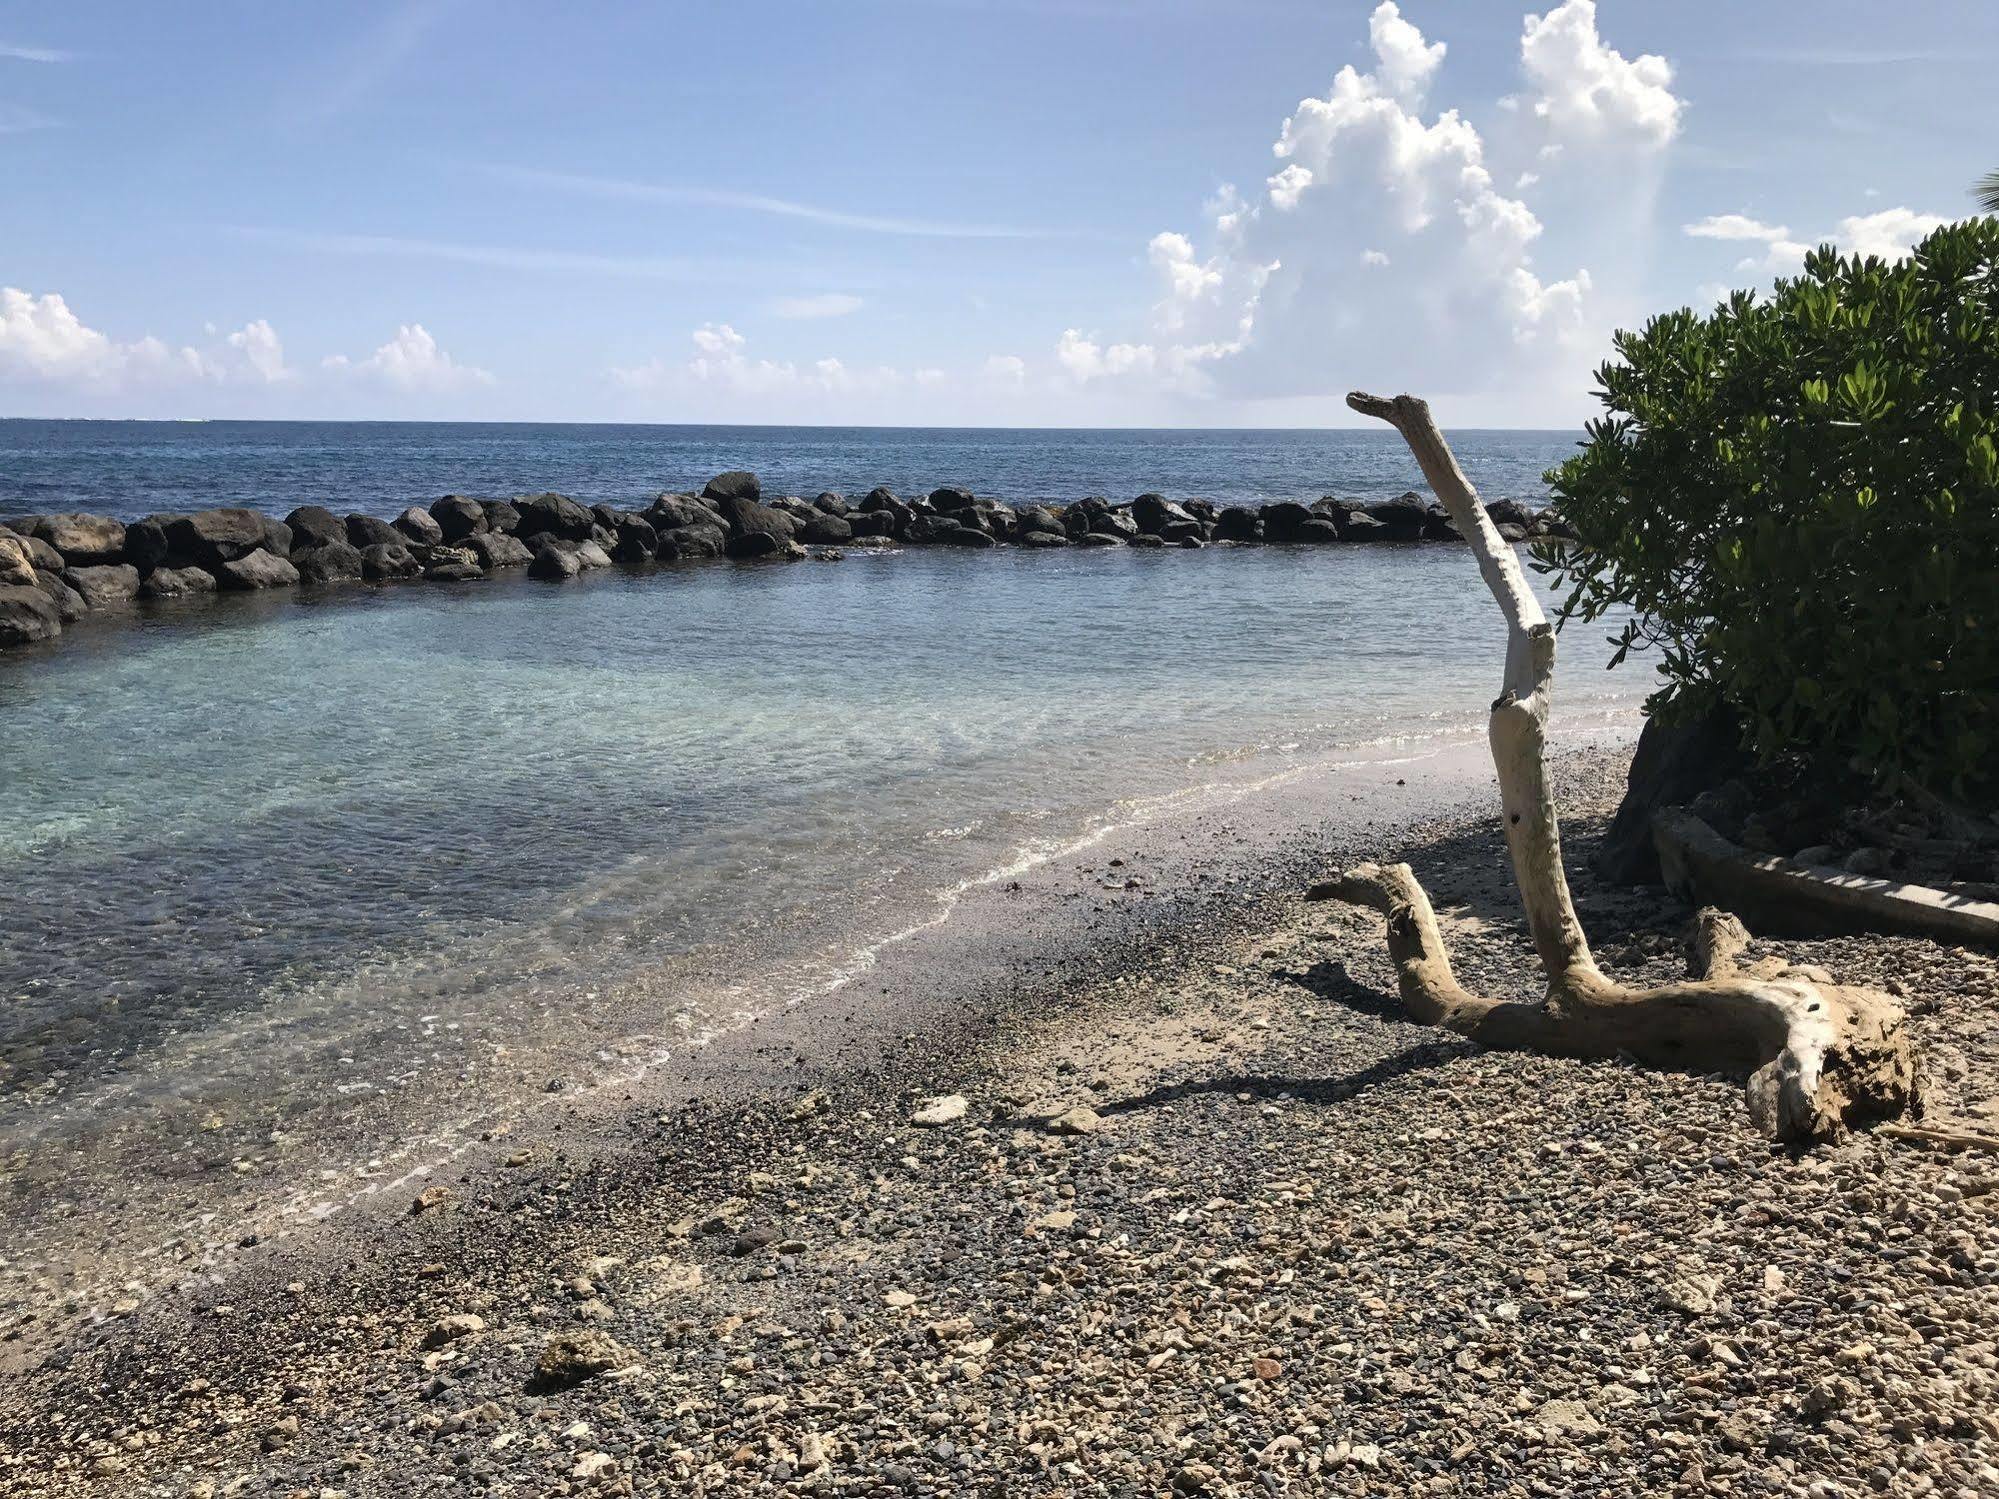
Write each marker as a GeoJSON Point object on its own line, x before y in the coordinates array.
{"type": "Point", "coordinates": [1176, 1204]}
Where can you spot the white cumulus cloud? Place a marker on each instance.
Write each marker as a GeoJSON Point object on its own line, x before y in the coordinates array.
{"type": "Point", "coordinates": [44, 341]}
{"type": "Point", "coordinates": [1587, 90]}
{"type": "Point", "coordinates": [412, 363]}
{"type": "Point", "coordinates": [1889, 234]}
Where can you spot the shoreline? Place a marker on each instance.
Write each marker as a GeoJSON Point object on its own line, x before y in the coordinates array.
{"type": "Point", "coordinates": [1262, 1001]}
{"type": "Point", "coordinates": [311, 1182]}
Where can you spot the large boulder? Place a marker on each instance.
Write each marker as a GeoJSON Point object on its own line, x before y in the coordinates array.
{"type": "Point", "coordinates": [735, 485]}
{"type": "Point", "coordinates": [1154, 513]}
{"type": "Point", "coordinates": [457, 517]}
{"type": "Point", "coordinates": [669, 512]}
{"type": "Point", "coordinates": [1039, 518]}
{"type": "Point", "coordinates": [1035, 540]}
{"type": "Point", "coordinates": [827, 530]}
{"type": "Point", "coordinates": [106, 585]}
{"type": "Point", "coordinates": [1110, 522]}
{"type": "Point", "coordinates": [69, 603]}
{"type": "Point", "coordinates": [417, 524]}
{"type": "Point", "coordinates": [967, 536]}
{"type": "Point", "coordinates": [387, 561]}
{"type": "Point", "coordinates": [831, 503]}
{"type": "Point", "coordinates": [1673, 764]}
{"type": "Point", "coordinates": [637, 539]}
{"type": "Point", "coordinates": [687, 543]}
{"type": "Point", "coordinates": [146, 544]}
{"type": "Point", "coordinates": [552, 515]}
{"type": "Point", "coordinates": [1318, 531]}
{"type": "Point", "coordinates": [364, 531]}
{"type": "Point", "coordinates": [177, 582]}
{"type": "Point", "coordinates": [211, 537]}
{"type": "Point", "coordinates": [1406, 517]}
{"type": "Point", "coordinates": [1360, 526]}
{"type": "Point", "coordinates": [876, 523]}
{"type": "Point", "coordinates": [745, 517]}
{"type": "Point", "coordinates": [258, 569]}
{"type": "Point", "coordinates": [1283, 519]}
{"type": "Point", "coordinates": [555, 564]}
{"type": "Point", "coordinates": [41, 554]}
{"type": "Point", "coordinates": [314, 526]}
{"type": "Point", "coordinates": [17, 565]}
{"type": "Point", "coordinates": [496, 549]}
{"type": "Point", "coordinates": [26, 615]}
{"type": "Point", "coordinates": [1239, 523]}
{"type": "Point", "coordinates": [1510, 512]}
{"type": "Point", "coordinates": [925, 529]}
{"type": "Point", "coordinates": [83, 540]}
{"type": "Point", "coordinates": [330, 562]}
{"type": "Point", "coordinates": [590, 554]}
{"type": "Point", "coordinates": [751, 545]}
{"type": "Point", "coordinates": [951, 498]}
{"type": "Point", "coordinates": [1097, 539]}
{"type": "Point", "coordinates": [501, 516]}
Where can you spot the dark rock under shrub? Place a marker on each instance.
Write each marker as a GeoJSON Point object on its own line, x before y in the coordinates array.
{"type": "Point", "coordinates": [1672, 765]}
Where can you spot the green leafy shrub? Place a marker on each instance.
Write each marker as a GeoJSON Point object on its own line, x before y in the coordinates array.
{"type": "Point", "coordinates": [1798, 497]}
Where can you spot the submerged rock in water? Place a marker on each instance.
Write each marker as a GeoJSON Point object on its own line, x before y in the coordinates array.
{"type": "Point", "coordinates": [555, 564]}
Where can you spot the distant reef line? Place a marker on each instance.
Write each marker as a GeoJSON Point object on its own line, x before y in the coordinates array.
{"type": "Point", "coordinates": [57, 569]}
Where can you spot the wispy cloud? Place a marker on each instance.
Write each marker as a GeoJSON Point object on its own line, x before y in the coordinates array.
{"type": "Point", "coordinates": [650, 192]}
{"type": "Point", "coordinates": [33, 54]}
{"type": "Point", "coordinates": [826, 304]}
{"type": "Point", "coordinates": [375, 57]}
{"type": "Point", "coordinates": [18, 117]}
{"type": "Point", "coordinates": [502, 257]}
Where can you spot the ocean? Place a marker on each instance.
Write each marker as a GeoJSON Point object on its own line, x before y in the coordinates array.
{"type": "Point", "coordinates": [284, 871]}
{"type": "Point", "coordinates": [129, 469]}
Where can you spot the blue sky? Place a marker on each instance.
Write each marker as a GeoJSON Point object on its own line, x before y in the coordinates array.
{"type": "Point", "coordinates": [1007, 212]}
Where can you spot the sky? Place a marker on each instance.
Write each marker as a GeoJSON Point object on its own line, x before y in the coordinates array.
{"type": "Point", "coordinates": [1195, 213]}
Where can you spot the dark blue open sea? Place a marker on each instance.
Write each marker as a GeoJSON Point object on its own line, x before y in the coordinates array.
{"type": "Point", "coordinates": [286, 872]}
{"type": "Point", "coordinates": [128, 469]}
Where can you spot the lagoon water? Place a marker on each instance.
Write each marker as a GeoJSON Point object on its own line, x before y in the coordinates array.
{"type": "Point", "coordinates": [294, 868]}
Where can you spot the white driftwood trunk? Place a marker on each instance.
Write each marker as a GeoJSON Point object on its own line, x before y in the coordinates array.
{"type": "Point", "coordinates": [1820, 1056]}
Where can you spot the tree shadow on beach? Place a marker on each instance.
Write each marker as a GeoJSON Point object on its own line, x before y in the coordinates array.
{"type": "Point", "coordinates": [1317, 1090]}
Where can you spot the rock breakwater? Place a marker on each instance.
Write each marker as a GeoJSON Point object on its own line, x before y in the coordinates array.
{"type": "Point", "coordinates": [57, 569]}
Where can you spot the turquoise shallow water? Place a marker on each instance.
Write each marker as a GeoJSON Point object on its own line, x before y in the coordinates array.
{"type": "Point", "coordinates": [287, 867]}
